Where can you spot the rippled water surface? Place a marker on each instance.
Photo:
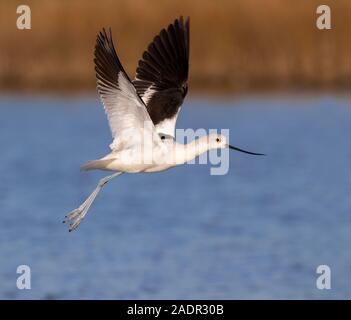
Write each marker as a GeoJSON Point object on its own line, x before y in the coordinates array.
{"type": "Point", "coordinates": [258, 232]}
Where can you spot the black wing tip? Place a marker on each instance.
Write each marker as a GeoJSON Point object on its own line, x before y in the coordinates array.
{"type": "Point", "coordinates": [165, 62]}
{"type": "Point", "coordinates": [183, 24]}
{"type": "Point", "coordinates": [104, 37]}
{"type": "Point", "coordinates": [105, 54]}
{"type": "Point", "coordinates": [107, 64]}
{"type": "Point", "coordinates": [182, 21]}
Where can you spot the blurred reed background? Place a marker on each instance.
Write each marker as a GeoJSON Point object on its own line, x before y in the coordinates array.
{"type": "Point", "coordinates": [236, 45]}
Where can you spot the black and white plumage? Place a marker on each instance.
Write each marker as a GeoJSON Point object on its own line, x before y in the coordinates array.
{"type": "Point", "coordinates": [115, 88]}
{"type": "Point", "coordinates": [142, 112]}
{"type": "Point", "coordinates": [162, 75]}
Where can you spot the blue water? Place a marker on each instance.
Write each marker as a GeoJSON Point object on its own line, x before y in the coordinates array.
{"type": "Point", "coordinates": [258, 232]}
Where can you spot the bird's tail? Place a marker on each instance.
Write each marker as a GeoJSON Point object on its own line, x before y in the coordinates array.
{"type": "Point", "coordinates": [96, 165]}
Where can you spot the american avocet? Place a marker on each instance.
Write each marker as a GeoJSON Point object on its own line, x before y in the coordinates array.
{"type": "Point", "coordinates": [142, 113]}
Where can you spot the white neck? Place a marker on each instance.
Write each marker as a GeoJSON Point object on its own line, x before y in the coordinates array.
{"type": "Point", "coordinates": [188, 152]}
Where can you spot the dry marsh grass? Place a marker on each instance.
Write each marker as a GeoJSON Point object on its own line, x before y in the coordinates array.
{"type": "Point", "coordinates": [237, 45]}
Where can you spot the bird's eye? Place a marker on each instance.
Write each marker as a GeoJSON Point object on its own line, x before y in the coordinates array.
{"type": "Point", "coordinates": [163, 137]}
{"type": "Point", "coordinates": [218, 140]}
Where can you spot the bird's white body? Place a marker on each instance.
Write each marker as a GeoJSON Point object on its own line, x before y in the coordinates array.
{"type": "Point", "coordinates": [155, 157]}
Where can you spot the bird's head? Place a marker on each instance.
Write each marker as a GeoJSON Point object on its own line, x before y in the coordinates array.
{"type": "Point", "coordinates": [219, 141]}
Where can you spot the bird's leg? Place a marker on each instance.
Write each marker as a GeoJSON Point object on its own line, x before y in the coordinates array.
{"type": "Point", "coordinates": [76, 216]}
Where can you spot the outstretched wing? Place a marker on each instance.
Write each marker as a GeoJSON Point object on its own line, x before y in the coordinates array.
{"type": "Point", "coordinates": [162, 75]}
{"type": "Point", "coordinates": [124, 108]}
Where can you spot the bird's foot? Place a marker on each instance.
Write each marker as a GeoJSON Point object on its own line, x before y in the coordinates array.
{"type": "Point", "coordinates": [76, 216]}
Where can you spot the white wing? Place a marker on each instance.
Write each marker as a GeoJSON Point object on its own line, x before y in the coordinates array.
{"type": "Point", "coordinates": [125, 111]}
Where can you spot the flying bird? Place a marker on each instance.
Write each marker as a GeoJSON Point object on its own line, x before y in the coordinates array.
{"type": "Point", "coordinates": [142, 113]}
